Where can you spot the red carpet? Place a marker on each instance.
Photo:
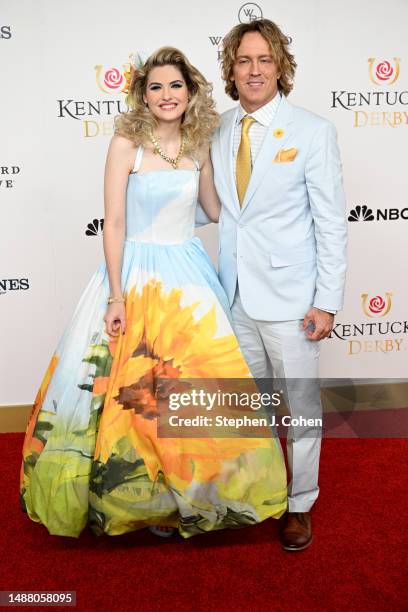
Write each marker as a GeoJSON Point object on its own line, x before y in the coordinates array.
{"type": "Point", "coordinates": [356, 562]}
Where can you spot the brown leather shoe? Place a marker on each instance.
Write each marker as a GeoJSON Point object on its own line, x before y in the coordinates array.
{"type": "Point", "coordinates": [296, 533]}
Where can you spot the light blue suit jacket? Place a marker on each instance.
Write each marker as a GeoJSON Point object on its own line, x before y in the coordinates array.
{"type": "Point", "coordinates": [286, 246]}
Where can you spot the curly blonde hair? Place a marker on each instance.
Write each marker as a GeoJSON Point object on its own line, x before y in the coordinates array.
{"type": "Point", "coordinates": [199, 120]}
{"type": "Point", "coordinates": [279, 44]}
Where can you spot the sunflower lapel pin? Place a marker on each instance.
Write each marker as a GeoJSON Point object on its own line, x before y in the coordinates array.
{"type": "Point", "coordinates": [283, 155]}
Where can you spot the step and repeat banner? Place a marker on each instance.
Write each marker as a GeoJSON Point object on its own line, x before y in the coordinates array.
{"type": "Point", "coordinates": [64, 74]}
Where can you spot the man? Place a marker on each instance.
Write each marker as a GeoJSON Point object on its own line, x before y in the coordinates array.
{"type": "Point", "coordinates": [282, 257]}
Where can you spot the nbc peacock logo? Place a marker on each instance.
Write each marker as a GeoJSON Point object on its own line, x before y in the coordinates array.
{"type": "Point", "coordinates": [95, 228]}
{"type": "Point", "coordinates": [384, 72]}
{"type": "Point", "coordinates": [376, 306]}
{"type": "Point", "coordinates": [361, 213]}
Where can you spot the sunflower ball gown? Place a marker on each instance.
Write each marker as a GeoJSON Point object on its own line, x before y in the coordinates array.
{"type": "Point", "coordinates": [91, 453]}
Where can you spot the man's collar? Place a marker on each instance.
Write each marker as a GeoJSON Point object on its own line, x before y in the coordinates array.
{"type": "Point", "coordinates": [263, 115]}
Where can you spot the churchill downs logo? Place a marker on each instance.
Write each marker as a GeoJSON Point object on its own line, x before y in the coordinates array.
{"type": "Point", "coordinates": [97, 115]}
{"type": "Point", "coordinates": [376, 336]}
{"type": "Point", "coordinates": [383, 107]}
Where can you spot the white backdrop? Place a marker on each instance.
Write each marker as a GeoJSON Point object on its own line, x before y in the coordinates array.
{"type": "Point", "coordinates": [52, 161]}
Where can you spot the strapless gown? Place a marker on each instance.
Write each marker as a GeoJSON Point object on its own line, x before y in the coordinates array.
{"type": "Point", "coordinates": [92, 455]}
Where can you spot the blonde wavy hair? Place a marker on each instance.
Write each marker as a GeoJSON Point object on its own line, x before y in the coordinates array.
{"type": "Point", "coordinates": [200, 118]}
{"type": "Point", "coordinates": [279, 44]}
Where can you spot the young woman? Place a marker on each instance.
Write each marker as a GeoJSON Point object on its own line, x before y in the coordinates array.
{"type": "Point", "coordinates": [154, 310]}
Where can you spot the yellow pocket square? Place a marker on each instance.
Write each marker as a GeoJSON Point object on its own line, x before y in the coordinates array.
{"type": "Point", "coordinates": [285, 155]}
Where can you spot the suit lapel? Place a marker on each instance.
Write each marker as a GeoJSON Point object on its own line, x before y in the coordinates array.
{"type": "Point", "coordinates": [226, 149]}
{"type": "Point", "coordinates": [270, 146]}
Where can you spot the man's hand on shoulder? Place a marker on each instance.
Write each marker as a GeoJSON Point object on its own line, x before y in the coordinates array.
{"type": "Point", "coordinates": [318, 324]}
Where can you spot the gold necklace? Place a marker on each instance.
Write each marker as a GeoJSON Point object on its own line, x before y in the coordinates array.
{"type": "Point", "coordinates": [174, 161]}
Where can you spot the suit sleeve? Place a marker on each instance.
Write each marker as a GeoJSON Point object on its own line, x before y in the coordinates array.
{"type": "Point", "coordinates": [324, 183]}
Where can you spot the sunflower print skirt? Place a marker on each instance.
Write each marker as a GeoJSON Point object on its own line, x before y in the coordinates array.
{"type": "Point", "coordinates": [91, 453]}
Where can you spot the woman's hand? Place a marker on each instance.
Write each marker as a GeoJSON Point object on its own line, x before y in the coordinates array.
{"type": "Point", "coordinates": [115, 319]}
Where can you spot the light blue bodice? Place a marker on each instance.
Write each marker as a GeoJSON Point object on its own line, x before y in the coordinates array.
{"type": "Point", "coordinates": [160, 205]}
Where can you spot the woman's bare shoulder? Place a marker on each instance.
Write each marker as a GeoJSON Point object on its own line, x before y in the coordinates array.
{"type": "Point", "coordinates": [121, 144]}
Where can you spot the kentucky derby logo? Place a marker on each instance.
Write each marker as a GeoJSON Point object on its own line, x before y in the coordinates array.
{"type": "Point", "coordinates": [113, 80]}
{"type": "Point", "coordinates": [376, 307]}
{"type": "Point", "coordinates": [383, 73]}
{"type": "Point", "coordinates": [96, 115]}
{"type": "Point", "coordinates": [117, 80]}
{"type": "Point", "coordinates": [361, 213]}
{"type": "Point", "coordinates": [249, 12]}
{"type": "Point", "coordinates": [383, 106]}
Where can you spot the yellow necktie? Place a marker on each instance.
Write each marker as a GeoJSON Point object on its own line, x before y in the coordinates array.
{"type": "Point", "coordinates": [243, 165]}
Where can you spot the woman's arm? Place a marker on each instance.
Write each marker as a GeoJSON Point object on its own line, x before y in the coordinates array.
{"type": "Point", "coordinates": [207, 195]}
{"type": "Point", "coordinates": [119, 163]}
